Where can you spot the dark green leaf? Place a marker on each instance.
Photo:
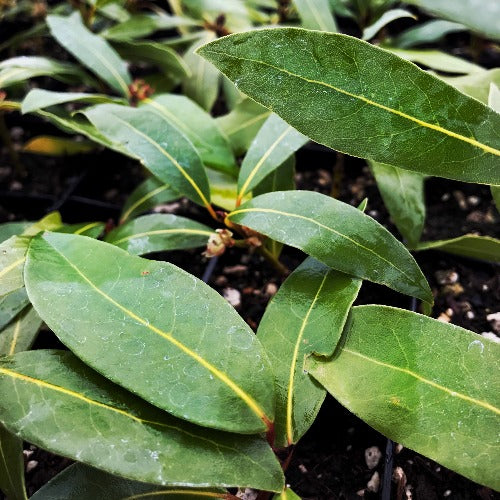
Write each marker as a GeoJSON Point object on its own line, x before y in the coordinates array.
{"type": "Point", "coordinates": [469, 245]}
{"type": "Point", "coordinates": [91, 50]}
{"type": "Point", "coordinates": [20, 334]}
{"type": "Point", "coordinates": [427, 32]}
{"type": "Point", "coordinates": [428, 385]}
{"type": "Point", "coordinates": [11, 304]}
{"type": "Point", "coordinates": [91, 229]}
{"type": "Point", "coordinates": [199, 127]}
{"type": "Point", "coordinates": [162, 333]}
{"type": "Point", "coordinates": [81, 482]}
{"type": "Point", "coordinates": [338, 235]}
{"type": "Point", "coordinates": [9, 229]}
{"type": "Point", "coordinates": [56, 402]}
{"type": "Point", "coordinates": [11, 465]}
{"type": "Point", "coordinates": [12, 254]}
{"type": "Point", "coordinates": [160, 146]}
{"type": "Point", "coordinates": [159, 232]}
{"type": "Point", "coordinates": [335, 89]}
{"type": "Point", "coordinates": [403, 195]}
{"type": "Point", "coordinates": [307, 315]}
{"type": "Point", "coordinates": [273, 144]}
{"type": "Point", "coordinates": [147, 195]}
{"type": "Point", "coordinates": [495, 193]}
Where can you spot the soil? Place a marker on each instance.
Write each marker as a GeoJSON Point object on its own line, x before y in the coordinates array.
{"type": "Point", "coordinates": [329, 462]}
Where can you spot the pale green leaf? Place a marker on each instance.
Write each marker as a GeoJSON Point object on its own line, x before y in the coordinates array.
{"type": "Point", "coordinates": [429, 385]}
{"type": "Point", "coordinates": [476, 84]}
{"type": "Point", "coordinates": [147, 195]}
{"type": "Point", "coordinates": [387, 17]}
{"type": "Point", "coordinates": [286, 494]}
{"type": "Point", "coordinates": [316, 15]}
{"type": "Point", "coordinates": [57, 146]}
{"type": "Point", "coordinates": [199, 127]}
{"type": "Point", "coordinates": [81, 482]}
{"type": "Point", "coordinates": [482, 16]}
{"type": "Point", "coordinates": [306, 315]}
{"type": "Point", "coordinates": [91, 229]}
{"type": "Point", "coordinates": [12, 257]}
{"type": "Point", "coordinates": [12, 304]}
{"type": "Point", "coordinates": [38, 99]}
{"type": "Point", "coordinates": [21, 332]}
{"type": "Point", "coordinates": [341, 97]}
{"type": "Point", "coordinates": [159, 145]}
{"type": "Point", "coordinates": [162, 333]}
{"type": "Point", "coordinates": [9, 229]}
{"type": "Point", "coordinates": [242, 124]}
{"type": "Point", "coordinates": [427, 32]}
{"type": "Point", "coordinates": [203, 84]}
{"type": "Point", "coordinates": [59, 404]}
{"type": "Point", "coordinates": [469, 245]}
{"type": "Point", "coordinates": [91, 50]}
{"type": "Point", "coordinates": [495, 193]}
{"type": "Point", "coordinates": [223, 189]}
{"type": "Point", "coordinates": [275, 142]}
{"type": "Point", "coordinates": [11, 466]}
{"type": "Point", "coordinates": [158, 233]}
{"type": "Point", "coordinates": [403, 195]}
{"type": "Point", "coordinates": [336, 234]}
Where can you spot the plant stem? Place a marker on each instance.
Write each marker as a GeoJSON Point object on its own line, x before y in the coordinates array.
{"type": "Point", "coordinates": [282, 269]}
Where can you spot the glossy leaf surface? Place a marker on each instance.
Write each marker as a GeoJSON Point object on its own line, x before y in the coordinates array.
{"type": "Point", "coordinates": [147, 195]}
{"type": "Point", "coordinates": [9, 229]}
{"type": "Point", "coordinates": [306, 315]}
{"type": "Point", "coordinates": [387, 17]}
{"type": "Point", "coordinates": [91, 229]}
{"type": "Point", "coordinates": [411, 120]}
{"type": "Point", "coordinates": [403, 195]}
{"type": "Point", "coordinates": [198, 126]}
{"type": "Point", "coordinates": [336, 234]}
{"type": "Point", "coordinates": [11, 465]}
{"type": "Point", "coordinates": [242, 124]}
{"type": "Point", "coordinates": [12, 255]}
{"type": "Point", "coordinates": [160, 146]}
{"type": "Point", "coordinates": [39, 98]}
{"type": "Point", "coordinates": [223, 189]}
{"type": "Point", "coordinates": [401, 372]}
{"type": "Point", "coordinates": [163, 333]}
{"type": "Point", "coordinates": [11, 304]}
{"type": "Point", "coordinates": [81, 482]}
{"type": "Point", "coordinates": [469, 245]}
{"type": "Point", "coordinates": [427, 32]}
{"type": "Point", "coordinates": [21, 332]}
{"type": "Point", "coordinates": [273, 144]}
{"type": "Point", "coordinates": [483, 16]}
{"type": "Point", "coordinates": [91, 50]}
{"type": "Point", "coordinates": [316, 15]}
{"type": "Point", "coordinates": [159, 232]}
{"type": "Point", "coordinates": [53, 395]}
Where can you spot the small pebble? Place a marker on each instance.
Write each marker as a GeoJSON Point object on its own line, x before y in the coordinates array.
{"type": "Point", "coordinates": [233, 296]}
{"type": "Point", "coordinates": [372, 457]}
{"type": "Point", "coordinates": [470, 315]}
{"type": "Point", "coordinates": [447, 493]}
{"type": "Point", "coordinates": [445, 197]}
{"type": "Point", "coordinates": [446, 277]}
{"type": "Point", "coordinates": [360, 493]}
{"type": "Point", "coordinates": [444, 318]}
{"type": "Point", "coordinates": [271, 289]}
{"type": "Point", "coordinates": [27, 453]}
{"type": "Point", "coordinates": [221, 280]}
{"type": "Point", "coordinates": [398, 448]}
{"type": "Point", "coordinates": [494, 319]}
{"type": "Point", "coordinates": [491, 336]}
{"type": "Point", "coordinates": [473, 201]}
{"type": "Point", "coordinates": [247, 494]}
{"type": "Point", "coordinates": [303, 469]}
{"type": "Point", "coordinates": [238, 269]}
{"type": "Point", "coordinates": [32, 464]}
{"type": "Point", "coordinates": [374, 483]}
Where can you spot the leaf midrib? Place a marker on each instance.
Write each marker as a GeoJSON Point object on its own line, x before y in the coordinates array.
{"type": "Point", "coordinates": [200, 232]}
{"type": "Point", "coordinates": [437, 128]}
{"type": "Point", "coordinates": [431, 383]}
{"type": "Point", "coordinates": [246, 398]}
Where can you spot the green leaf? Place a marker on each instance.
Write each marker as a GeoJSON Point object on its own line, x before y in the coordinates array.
{"type": "Point", "coordinates": [495, 193]}
{"type": "Point", "coordinates": [428, 32]}
{"type": "Point", "coordinates": [336, 234]}
{"type": "Point", "coordinates": [91, 229]}
{"type": "Point", "coordinates": [11, 304]}
{"type": "Point", "coordinates": [306, 315]}
{"type": "Point", "coordinates": [79, 481]}
{"type": "Point", "coordinates": [403, 195]}
{"type": "Point", "coordinates": [440, 61]}
{"type": "Point", "coordinates": [387, 17]}
{"type": "Point", "coordinates": [20, 334]}
{"type": "Point", "coordinates": [475, 85]}
{"type": "Point", "coordinates": [9, 229]}
{"type": "Point", "coordinates": [11, 465]}
{"type": "Point", "coordinates": [469, 245]}
{"type": "Point", "coordinates": [12, 256]}
{"type": "Point", "coordinates": [223, 189]}
{"type": "Point", "coordinates": [57, 146]}
{"type": "Point", "coordinates": [342, 98]}
{"type": "Point", "coordinates": [155, 53]}
{"type": "Point", "coordinates": [20, 69]}
{"type": "Point", "coordinates": [51, 222]}
{"type": "Point", "coordinates": [481, 17]}
{"type": "Point", "coordinates": [38, 99]}
{"type": "Point", "coordinates": [494, 97]}
{"type": "Point", "coordinates": [160, 146]}
{"type": "Point", "coordinates": [199, 127]}
{"type": "Point", "coordinates": [91, 50]}
{"type": "Point", "coordinates": [242, 124]}
{"type": "Point", "coordinates": [147, 195]}
{"type": "Point", "coordinates": [175, 341]}
{"type": "Point", "coordinates": [401, 372]}
{"type": "Point", "coordinates": [273, 144]}
{"type": "Point", "coordinates": [159, 232]}
{"type": "Point", "coordinates": [143, 25]}
{"type": "Point", "coordinates": [316, 15]}
{"type": "Point", "coordinates": [52, 397]}
{"type": "Point", "coordinates": [203, 84]}
{"type": "Point", "coordinates": [286, 494]}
